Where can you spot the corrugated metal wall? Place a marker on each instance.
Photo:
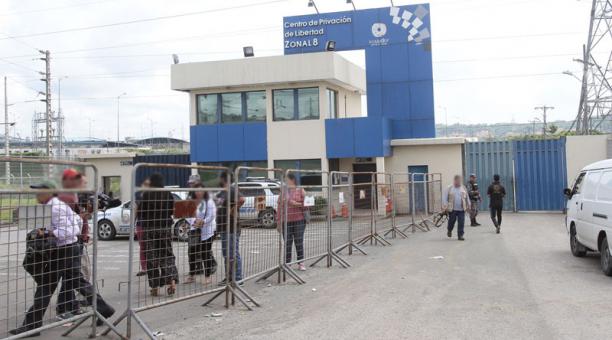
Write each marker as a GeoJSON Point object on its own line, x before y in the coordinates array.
{"type": "Point", "coordinates": [541, 174]}
{"type": "Point", "coordinates": [486, 159]}
{"type": "Point", "coordinates": [171, 176]}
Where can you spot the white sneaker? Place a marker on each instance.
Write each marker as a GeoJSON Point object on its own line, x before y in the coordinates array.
{"type": "Point", "coordinates": [301, 267]}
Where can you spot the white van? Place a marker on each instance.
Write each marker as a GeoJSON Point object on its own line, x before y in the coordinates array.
{"type": "Point", "coordinates": [589, 213]}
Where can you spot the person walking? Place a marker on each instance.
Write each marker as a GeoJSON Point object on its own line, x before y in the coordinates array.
{"type": "Point", "coordinates": [62, 261]}
{"type": "Point", "coordinates": [496, 193]}
{"type": "Point", "coordinates": [456, 202]}
{"type": "Point", "coordinates": [475, 199]}
{"type": "Point", "coordinates": [293, 198]}
{"type": "Point", "coordinates": [201, 235]}
{"type": "Point", "coordinates": [154, 212]}
{"type": "Point", "coordinates": [140, 235]}
{"type": "Point", "coordinates": [230, 234]}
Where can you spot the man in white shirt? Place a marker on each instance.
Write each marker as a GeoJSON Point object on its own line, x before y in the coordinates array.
{"type": "Point", "coordinates": [63, 262]}
{"type": "Point", "coordinates": [456, 202]}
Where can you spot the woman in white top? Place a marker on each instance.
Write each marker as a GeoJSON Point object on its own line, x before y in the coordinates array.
{"type": "Point", "coordinates": [201, 235]}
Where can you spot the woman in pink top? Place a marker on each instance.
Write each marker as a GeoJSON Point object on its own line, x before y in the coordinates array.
{"type": "Point", "coordinates": [296, 223]}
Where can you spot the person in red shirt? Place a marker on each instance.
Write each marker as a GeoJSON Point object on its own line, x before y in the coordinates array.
{"type": "Point", "coordinates": [293, 199]}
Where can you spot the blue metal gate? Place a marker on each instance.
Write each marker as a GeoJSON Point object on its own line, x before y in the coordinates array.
{"type": "Point", "coordinates": [541, 174]}
{"type": "Point", "coordinates": [172, 176]}
{"type": "Point", "coordinates": [485, 159]}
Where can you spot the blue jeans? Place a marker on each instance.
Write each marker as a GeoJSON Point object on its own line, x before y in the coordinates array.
{"type": "Point", "coordinates": [459, 217]}
{"type": "Point", "coordinates": [234, 240]}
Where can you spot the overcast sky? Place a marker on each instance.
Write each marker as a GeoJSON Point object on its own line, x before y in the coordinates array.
{"type": "Point", "coordinates": [494, 60]}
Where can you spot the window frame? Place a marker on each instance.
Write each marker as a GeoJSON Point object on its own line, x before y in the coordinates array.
{"type": "Point", "coordinates": [296, 104]}
{"type": "Point", "coordinates": [336, 104]}
{"type": "Point", "coordinates": [244, 118]}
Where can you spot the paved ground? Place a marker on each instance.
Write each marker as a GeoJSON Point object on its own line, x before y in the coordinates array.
{"type": "Point", "coordinates": [522, 284]}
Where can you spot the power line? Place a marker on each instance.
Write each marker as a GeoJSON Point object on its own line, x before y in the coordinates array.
{"type": "Point", "coordinates": [136, 21]}
{"type": "Point", "coordinates": [47, 9]}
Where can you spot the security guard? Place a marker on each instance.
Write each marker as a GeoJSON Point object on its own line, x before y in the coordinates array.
{"type": "Point", "coordinates": [475, 199]}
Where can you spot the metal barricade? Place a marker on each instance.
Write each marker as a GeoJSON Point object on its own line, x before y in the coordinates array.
{"type": "Point", "coordinates": [260, 225]}
{"type": "Point", "coordinates": [179, 255]}
{"type": "Point", "coordinates": [433, 200]}
{"type": "Point", "coordinates": [46, 240]}
{"type": "Point", "coordinates": [309, 222]}
{"type": "Point", "coordinates": [342, 213]}
{"type": "Point", "coordinates": [384, 220]}
{"type": "Point", "coordinates": [366, 202]}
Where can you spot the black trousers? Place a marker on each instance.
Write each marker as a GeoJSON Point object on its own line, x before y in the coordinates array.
{"type": "Point", "coordinates": [295, 235]}
{"type": "Point", "coordinates": [496, 215]}
{"type": "Point", "coordinates": [201, 258]}
{"type": "Point", "coordinates": [161, 262]}
{"type": "Point", "coordinates": [64, 264]}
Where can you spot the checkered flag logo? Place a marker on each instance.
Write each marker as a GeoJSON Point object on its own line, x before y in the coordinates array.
{"type": "Point", "coordinates": [412, 22]}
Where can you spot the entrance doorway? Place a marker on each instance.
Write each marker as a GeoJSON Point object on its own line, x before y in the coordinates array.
{"type": "Point", "coordinates": [419, 185]}
{"type": "Point", "coordinates": [111, 185]}
{"type": "Point", "coordinates": [362, 193]}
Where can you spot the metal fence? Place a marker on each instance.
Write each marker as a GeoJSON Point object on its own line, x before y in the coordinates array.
{"type": "Point", "coordinates": [48, 247]}
{"type": "Point", "coordinates": [195, 241]}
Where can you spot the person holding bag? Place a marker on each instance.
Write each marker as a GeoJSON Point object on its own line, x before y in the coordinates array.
{"type": "Point", "coordinates": [293, 199]}
{"type": "Point", "coordinates": [201, 236]}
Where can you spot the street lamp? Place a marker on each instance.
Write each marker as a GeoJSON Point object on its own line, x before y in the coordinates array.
{"type": "Point", "coordinates": [60, 118]}
{"type": "Point", "coordinates": [118, 98]}
{"type": "Point", "coordinates": [311, 3]}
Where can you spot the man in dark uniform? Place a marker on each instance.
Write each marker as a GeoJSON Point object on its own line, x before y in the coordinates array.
{"type": "Point", "coordinates": [496, 193]}
{"type": "Point", "coordinates": [474, 195]}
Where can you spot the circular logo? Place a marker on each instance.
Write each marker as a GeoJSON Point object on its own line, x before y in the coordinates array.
{"type": "Point", "coordinates": [379, 30]}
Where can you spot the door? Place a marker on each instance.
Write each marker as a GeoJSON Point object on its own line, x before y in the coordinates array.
{"type": "Point", "coordinates": [362, 185]}
{"type": "Point", "coordinates": [586, 226]}
{"type": "Point", "coordinates": [602, 210]}
{"type": "Point", "coordinates": [112, 186]}
{"type": "Point", "coordinates": [419, 186]}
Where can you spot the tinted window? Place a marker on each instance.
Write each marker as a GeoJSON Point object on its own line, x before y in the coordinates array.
{"type": "Point", "coordinates": [207, 108]}
{"type": "Point", "coordinates": [605, 187]}
{"type": "Point", "coordinates": [231, 107]}
{"type": "Point", "coordinates": [284, 107]}
{"type": "Point", "coordinates": [332, 103]}
{"type": "Point", "coordinates": [590, 185]}
{"type": "Point", "coordinates": [578, 183]}
{"type": "Point", "coordinates": [308, 103]}
{"type": "Point", "coordinates": [256, 106]}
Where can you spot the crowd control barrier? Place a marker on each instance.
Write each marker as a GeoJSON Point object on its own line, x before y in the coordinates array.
{"type": "Point", "coordinates": [261, 225]}
{"type": "Point", "coordinates": [178, 255]}
{"type": "Point", "coordinates": [36, 267]}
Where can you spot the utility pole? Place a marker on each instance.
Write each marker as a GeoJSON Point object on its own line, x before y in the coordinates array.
{"type": "Point", "coordinates": [47, 100]}
{"type": "Point", "coordinates": [544, 110]}
{"type": "Point", "coordinates": [7, 169]}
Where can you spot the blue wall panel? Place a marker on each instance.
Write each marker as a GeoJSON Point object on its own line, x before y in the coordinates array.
{"type": "Point", "coordinates": [396, 57]}
{"type": "Point", "coordinates": [358, 137]}
{"type": "Point", "coordinates": [229, 142]}
{"type": "Point", "coordinates": [486, 159]}
{"type": "Point", "coordinates": [204, 143]}
{"type": "Point", "coordinates": [541, 174]}
{"type": "Point", "coordinates": [172, 176]}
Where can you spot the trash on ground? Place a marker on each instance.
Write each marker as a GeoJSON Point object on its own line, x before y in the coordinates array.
{"type": "Point", "coordinates": [437, 257]}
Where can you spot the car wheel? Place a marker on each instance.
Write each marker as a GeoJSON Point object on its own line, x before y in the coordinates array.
{"type": "Point", "coordinates": [606, 259]}
{"type": "Point", "coordinates": [577, 248]}
{"type": "Point", "coordinates": [181, 230]}
{"type": "Point", "coordinates": [106, 230]}
{"type": "Point", "coordinates": [267, 218]}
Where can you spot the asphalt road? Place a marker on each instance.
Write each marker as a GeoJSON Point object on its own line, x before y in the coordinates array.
{"type": "Point", "coordinates": [521, 284]}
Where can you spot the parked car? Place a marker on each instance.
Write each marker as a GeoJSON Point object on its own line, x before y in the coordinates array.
{"type": "Point", "coordinates": [115, 222]}
{"type": "Point", "coordinates": [589, 213]}
{"type": "Point", "coordinates": [260, 202]}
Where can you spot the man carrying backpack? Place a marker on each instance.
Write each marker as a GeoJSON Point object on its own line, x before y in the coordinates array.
{"type": "Point", "coordinates": [496, 193]}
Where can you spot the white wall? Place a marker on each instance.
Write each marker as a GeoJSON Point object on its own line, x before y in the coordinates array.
{"type": "Point", "coordinates": [446, 159]}
{"type": "Point", "coordinates": [581, 151]}
{"type": "Point", "coordinates": [111, 166]}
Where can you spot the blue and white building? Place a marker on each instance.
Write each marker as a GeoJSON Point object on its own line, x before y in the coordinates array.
{"type": "Point", "coordinates": [304, 110]}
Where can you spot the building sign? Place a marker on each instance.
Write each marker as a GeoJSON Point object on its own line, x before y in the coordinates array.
{"type": "Point", "coordinates": [397, 44]}
{"type": "Point", "coordinates": [126, 163]}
